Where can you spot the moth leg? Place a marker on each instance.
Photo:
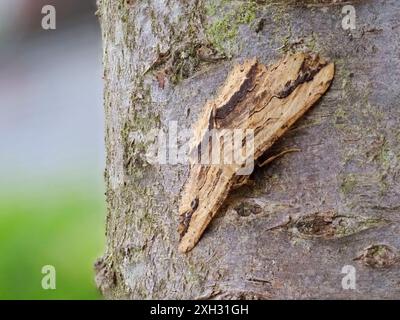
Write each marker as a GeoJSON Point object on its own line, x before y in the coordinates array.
{"type": "Point", "coordinates": [243, 180]}
{"type": "Point", "coordinates": [280, 154]}
{"type": "Point", "coordinates": [240, 181]}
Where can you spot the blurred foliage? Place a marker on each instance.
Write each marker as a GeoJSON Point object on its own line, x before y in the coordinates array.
{"type": "Point", "coordinates": [60, 225]}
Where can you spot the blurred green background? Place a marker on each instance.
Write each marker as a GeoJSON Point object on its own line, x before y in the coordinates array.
{"type": "Point", "coordinates": [52, 206]}
{"type": "Point", "coordinates": [59, 226]}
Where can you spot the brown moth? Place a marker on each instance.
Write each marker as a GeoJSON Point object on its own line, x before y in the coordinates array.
{"type": "Point", "coordinates": [266, 100]}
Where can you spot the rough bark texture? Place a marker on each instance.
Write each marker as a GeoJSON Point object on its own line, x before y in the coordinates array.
{"type": "Point", "coordinates": [306, 215]}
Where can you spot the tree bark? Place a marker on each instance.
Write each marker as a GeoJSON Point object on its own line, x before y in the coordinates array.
{"type": "Point", "coordinates": [291, 232]}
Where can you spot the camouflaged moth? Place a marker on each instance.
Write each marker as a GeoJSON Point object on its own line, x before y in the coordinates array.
{"type": "Point", "coordinates": [267, 100]}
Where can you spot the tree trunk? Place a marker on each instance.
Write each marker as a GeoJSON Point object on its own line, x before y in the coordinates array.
{"type": "Point", "coordinates": [292, 230]}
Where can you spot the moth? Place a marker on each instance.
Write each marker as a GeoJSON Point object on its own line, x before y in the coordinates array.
{"type": "Point", "coordinates": [264, 99]}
